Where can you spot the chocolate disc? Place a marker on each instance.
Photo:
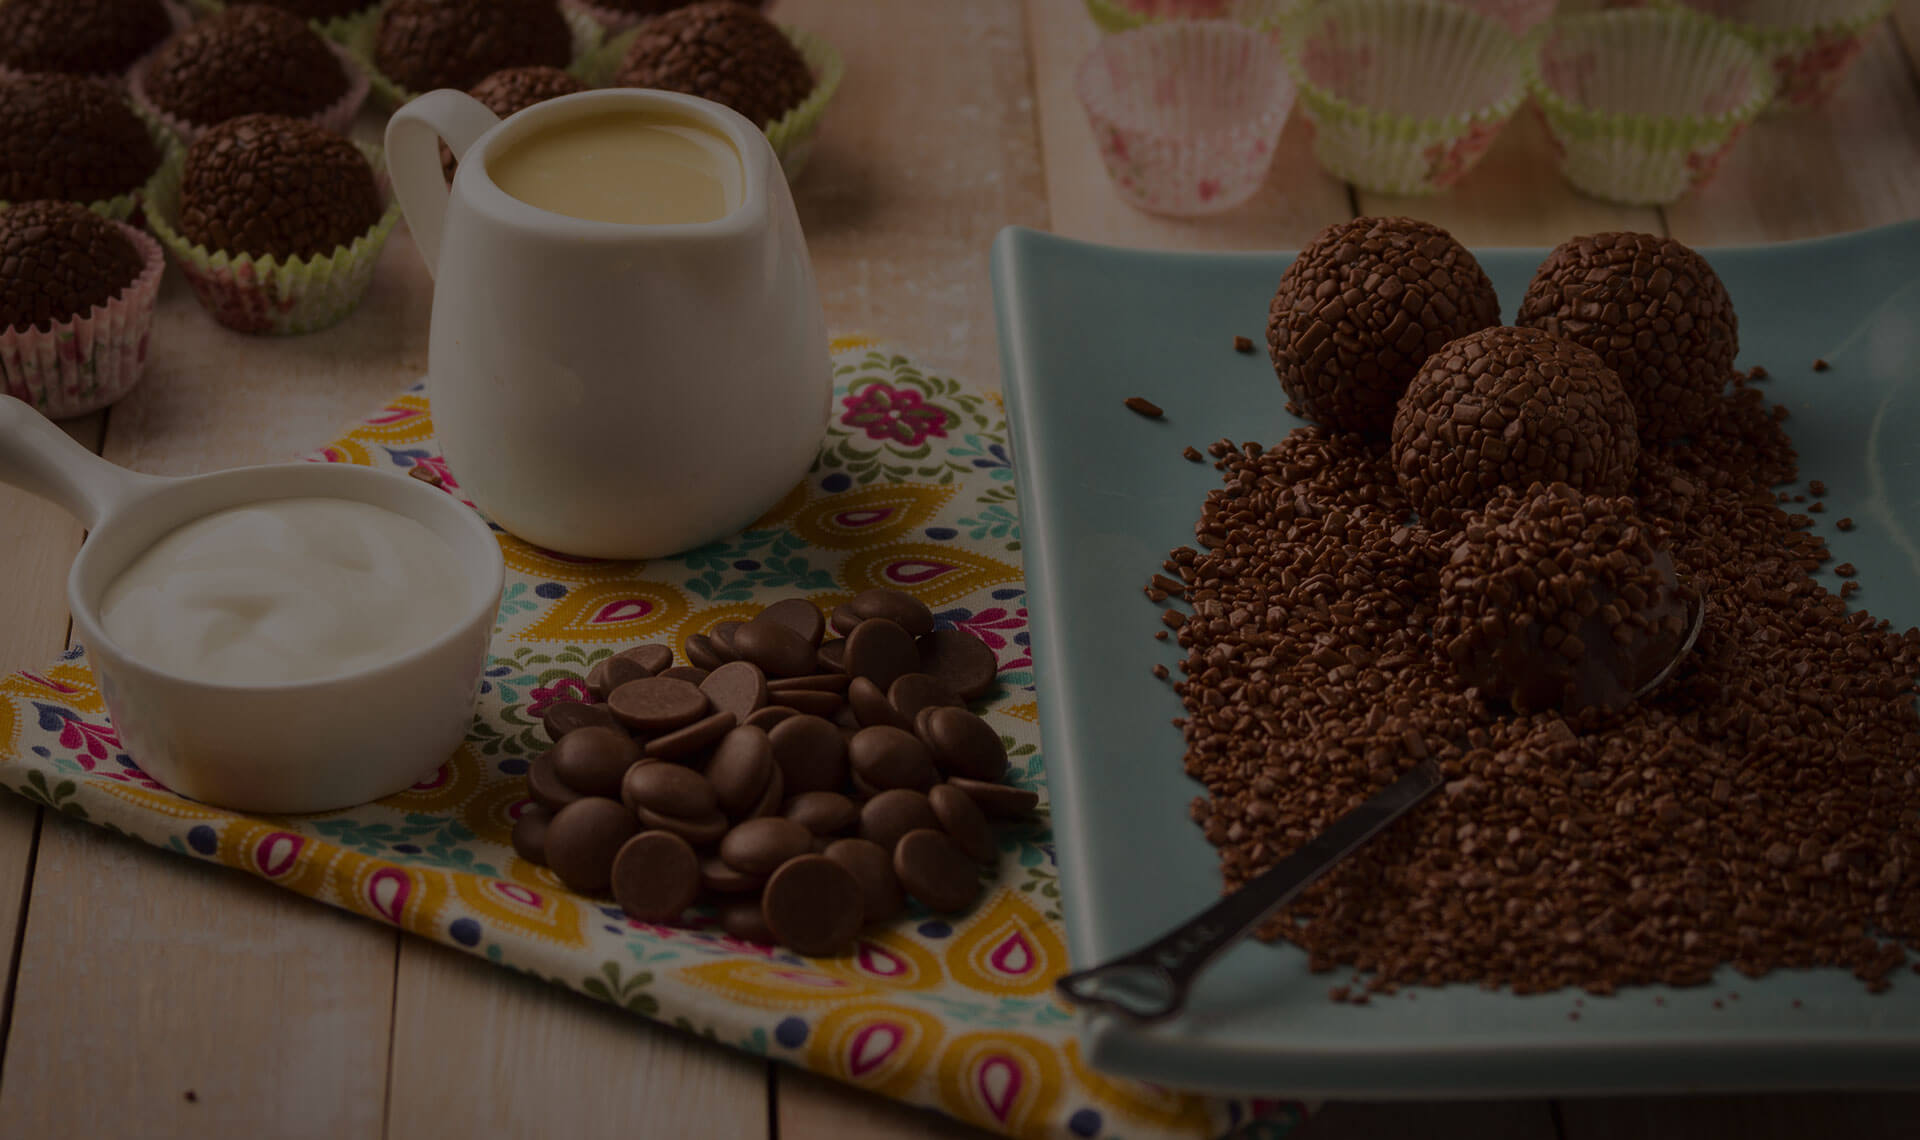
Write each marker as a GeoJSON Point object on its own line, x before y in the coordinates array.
{"type": "Point", "coordinates": [655, 876]}
{"type": "Point", "coordinates": [935, 871]}
{"type": "Point", "coordinates": [738, 687]}
{"type": "Point", "coordinates": [767, 717]}
{"type": "Point", "coordinates": [530, 834]}
{"type": "Point", "coordinates": [741, 766]}
{"type": "Point", "coordinates": [811, 682]}
{"type": "Point", "coordinates": [594, 760]}
{"type": "Point", "coordinates": [597, 679]}
{"type": "Point", "coordinates": [745, 920]}
{"type": "Point", "coordinates": [872, 868]}
{"type": "Point", "coordinates": [887, 757]}
{"type": "Point", "coordinates": [960, 659]}
{"type": "Point", "coordinates": [657, 704]}
{"type": "Point", "coordinates": [704, 653]}
{"type": "Point", "coordinates": [684, 744]}
{"type": "Point", "coordinates": [772, 796]}
{"type": "Point", "coordinates": [716, 875]}
{"type": "Point", "coordinates": [775, 647]}
{"type": "Point", "coordinates": [823, 813]}
{"type": "Point", "coordinates": [563, 717]}
{"type": "Point", "coordinates": [813, 702]}
{"type": "Point", "coordinates": [997, 801]}
{"type": "Point", "coordinates": [916, 691]}
{"type": "Point", "coordinates": [882, 652]}
{"type": "Point", "coordinates": [653, 657]}
{"type": "Point", "coordinates": [811, 754]}
{"type": "Point", "coordinates": [832, 654]}
{"type": "Point", "coordinates": [619, 669]}
{"type": "Point", "coordinates": [691, 674]}
{"type": "Point", "coordinates": [892, 813]}
{"type": "Point", "coordinates": [583, 839]}
{"type": "Point", "coordinates": [670, 789]}
{"type": "Point", "coordinates": [545, 787]}
{"type": "Point", "coordinates": [903, 610]}
{"type": "Point", "coordinates": [759, 845]}
{"type": "Point", "coordinates": [721, 635]}
{"type": "Point", "coordinates": [963, 744]}
{"type": "Point", "coordinates": [700, 832]}
{"type": "Point", "coordinates": [964, 823]}
{"type": "Point", "coordinates": [813, 906]}
{"type": "Point", "coordinates": [843, 619]}
{"type": "Point", "coordinates": [871, 706]}
{"type": "Point", "coordinates": [800, 616]}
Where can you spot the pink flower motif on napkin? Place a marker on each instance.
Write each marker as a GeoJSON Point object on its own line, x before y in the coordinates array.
{"type": "Point", "coordinates": [91, 741]}
{"type": "Point", "coordinates": [895, 414]}
{"type": "Point", "coordinates": [562, 690]}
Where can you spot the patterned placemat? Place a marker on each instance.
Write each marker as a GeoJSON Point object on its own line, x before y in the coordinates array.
{"type": "Point", "coordinates": [914, 490]}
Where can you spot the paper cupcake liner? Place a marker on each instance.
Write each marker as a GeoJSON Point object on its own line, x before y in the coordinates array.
{"type": "Point", "coordinates": [335, 29]}
{"type": "Point", "coordinates": [83, 364]}
{"type": "Point", "coordinates": [1519, 16]}
{"type": "Point", "coordinates": [123, 207]}
{"type": "Point", "coordinates": [337, 117]}
{"type": "Point", "coordinates": [792, 134]}
{"type": "Point", "coordinates": [1125, 15]}
{"type": "Point", "coordinates": [1643, 104]}
{"type": "Point", "coordinates": [1809, 44]}
{"type": "Point", "coordinates": [262, 295]}
{"type": "Point", "coordinates": [1406, 95]}
{"type": "Point", "coordinates": [360, 36]}
{"type": "Point", "coordinates": [1186, 114]}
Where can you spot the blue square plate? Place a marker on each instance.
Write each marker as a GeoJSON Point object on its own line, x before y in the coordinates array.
{"type": "Point", "coordinates": [1104, 494]}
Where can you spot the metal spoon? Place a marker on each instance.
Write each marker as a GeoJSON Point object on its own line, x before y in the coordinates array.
{"type": "Point", "coordinates": [1151, 983]}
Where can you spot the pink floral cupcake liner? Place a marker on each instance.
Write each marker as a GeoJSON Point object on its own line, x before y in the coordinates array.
{"type": "Point", "coordinates": [1809, 44]}
{"type": "Point", "coordinates": [337, 118]}
{"type": "Point", "coordinates": [82, 364]}
{"type": "Point", "coordinates": [1186, 114]}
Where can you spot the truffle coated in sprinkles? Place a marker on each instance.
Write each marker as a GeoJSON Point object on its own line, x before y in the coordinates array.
{"type": "Point", "coordinates": [57, 261]}
{"type": "Point", "coordinates": [79, 37]}
{"type": "Point", "coordinates": [424, 44]}
{"type": "Point", "coordinates": [245, 60]}
{"type": "Point", "coordinates": [64, 136]}
{"type": "Point", "coordinates": [273, 186]}
{"type": "Point", "coordinates": [722, 51]}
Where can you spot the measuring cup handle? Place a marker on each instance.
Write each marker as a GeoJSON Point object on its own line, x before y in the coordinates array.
{"type": "Point", "coordinates": [40, 459]}
{"type": "Point", "coordinates": [413, 159]}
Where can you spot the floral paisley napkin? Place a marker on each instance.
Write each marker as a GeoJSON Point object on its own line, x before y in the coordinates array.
{"type": "Point", "coordinates": [913, 489]}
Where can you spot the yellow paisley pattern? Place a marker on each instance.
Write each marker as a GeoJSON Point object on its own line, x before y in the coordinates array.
{"type": "Point", "coordinates": [490, 814]}
{"type": "Point", "coordinates": [623, 613]}
{"type": "Point", "coordinates": [853, 520]}
{"type": "Point", "coordinates": [67, 684]}
{"type": "Point", "coordinates": [879, 1046]}
{"type": "Point", "coordinates": [552, 915]}
{"type": "Point", "coordinates": [888, 958]}
{"type": "Point", "coordinates": [774, 985]}
{"type": "Point", "coordinates": [293, 861]}
{"type": "Point", "coordinates": [451, 785]}
{"type": "Point", "coordinates": [935, 573]}
{"type": "Point", "coordinates": [1007, 948]}
{"type": "Point", "coordinates": [1000, 1080]}
{"type": "Point", "coordinates": [408, 897]}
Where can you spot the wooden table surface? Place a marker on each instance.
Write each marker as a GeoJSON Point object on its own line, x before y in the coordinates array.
{"type": "Point", "coordinates": [134, 976]}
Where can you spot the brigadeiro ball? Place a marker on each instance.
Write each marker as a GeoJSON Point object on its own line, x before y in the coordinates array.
{"type": "Point", "coordinates": [1509, 407]}
{"type": "Point", "coordinates": [1654, 310]}
{"type": "Point", "coordinates": [246, 60]}
{"type": "Point", "coordinates": [61, 260]}
{"type": "Point", "coordinates": [1361, 309]}
{"type": "Point", "coordinates": [321, 10]}
{"type": "Point", "coordinates": [722, 51]}
{"type": "Point", "coordinates": [63, 136]}
{"type": "Point", "coordinates": [1551, 599]}
{"type": "Point", "coordinates": [80, 37]}
{"type": "Point", "coordinates": [276, 187]}
{"type": "Point", "coordinates": [424, 44]}
{"type": "Point", "coordinates": [513, 90]}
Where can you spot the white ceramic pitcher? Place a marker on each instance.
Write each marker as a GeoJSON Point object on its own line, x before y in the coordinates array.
{"type": "Point", "coordinates": [610, 390]}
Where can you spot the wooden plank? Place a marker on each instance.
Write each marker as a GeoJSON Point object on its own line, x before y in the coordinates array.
{"type": "Point", "coordinates": [478, 1051]}
{"type": "Point", "coordinates": [1435, 1120]}
{"type": "Point", "coordinates": [812, 1108]}
{"type": "Point", "coordinates": [1856, 1116]}
{"type": "Point", "coordinates": [1846, 166]}
{"type": "Point", "coordinates": [1297, 201]}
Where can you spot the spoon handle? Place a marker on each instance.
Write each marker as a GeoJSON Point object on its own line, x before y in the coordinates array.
{"type": "Point", "coordinates": [1151, 983]}
{"type": "Point", "coordinates": [40, 459]}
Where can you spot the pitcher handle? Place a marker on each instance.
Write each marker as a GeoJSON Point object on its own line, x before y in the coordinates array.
{"type": "Point", "coordinates": [40, 459]}
{"type": "Point", "coordinates": [413, 159]}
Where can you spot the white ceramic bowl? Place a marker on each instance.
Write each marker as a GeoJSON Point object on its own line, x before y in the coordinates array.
{"type": "Point", "coordinates": [277, 748]}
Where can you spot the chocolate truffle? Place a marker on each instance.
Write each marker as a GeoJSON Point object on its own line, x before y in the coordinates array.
{"type": "Point", "coordinates": [273, 186]}
{"type": "Point", "coordinates": [1654, 310]}
{"type": "Point", "coordinates": [80, 37]}
{"type": "Point", "coordinates": [1509, 407]}
{"type": "Point", "coordinates": [424, 44]}
{"type": "Point", "coordinates": [1361, 309]}
{"type": "Point", "coordinates": [57, 261]}
{"type": "Point", "coordinates": [244, 61]}
{"type": "Point", "coordinates": [722, 51]}
{"type": "Point", "coordinates": [318, 9]}
{"type": "Point", "coordinates": [516, 89]}
{"type": "Point", "coordinates": [1551, 599]}
{"type": "Point", "coordinates": [653, 7]}
{"type": "Point", "coordinates": [63, 136]}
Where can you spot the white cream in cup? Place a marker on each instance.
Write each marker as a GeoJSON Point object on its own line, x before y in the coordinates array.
{"type": "Point", "coordinates": [372, 725]}
{"type": "Point", "coordinates": [605, 388]}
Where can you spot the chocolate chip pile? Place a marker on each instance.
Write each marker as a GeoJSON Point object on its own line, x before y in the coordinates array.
{"type": "Point", "coordinates": [1761, 808]}
{"type": "Point", "coordinates": [804, 786]}
{"type": "Point", "coordinates": [722, 51]}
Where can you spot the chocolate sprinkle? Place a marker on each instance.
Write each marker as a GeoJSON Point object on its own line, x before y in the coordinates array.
{"type": "Point", "coordinates": [63, 136]}
{"type": "Point", "coordinates": [272, 186]}
{"type": "Point", "coordinates": [79, 37]}
{"type": "Point", "coordinates": [57, 261]}
{"type": "Point", "coordinates": [1140, 405]}
{"type": "Point", "coordinates": [722, 51]}
{"type": "Point", "coordinates": [245, 60]}
{"type": "Point", "coordinates": [318, 9]}
{"type": "Point", "coordinates": [424, 44]}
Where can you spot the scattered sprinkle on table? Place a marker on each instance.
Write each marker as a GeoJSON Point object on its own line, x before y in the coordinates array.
{"type": "Point", "coordinates": [1193, 455]}
{"type": "Point", "coordinates": [1242, 344]}
{"type": "Point", "coordinates": [1144, 406]}
{"type": "Point", "coordinates": [1821, 366]}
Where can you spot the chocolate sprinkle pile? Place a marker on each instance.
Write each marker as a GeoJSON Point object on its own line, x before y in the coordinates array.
{"type": "Point", "coordinates": [1654, 310]}
{"type": "Point", "coordinates": [1761, 809]}
{"type": "Point", "coordinates": [276, 187]}
{"type": "Point", "coordinates": [516, 89]}
{"type": "Point", "coordinates": [722, 51]}
{"type": "Point", "coordinates": [57, 261]}
{"type": "Point", "coordinates": [1550, 599]}
{"type": "Point", "coordinates": [424, 44]}
{"type": "Point", "coordinates": [63, 136]}
{"type": "Point", "coordinates": [79, 37]}
{"type": "Point", "coordinates": [1361, 309]}
{"type": "Point", "coordinates": [1508, 407]}
{"type": "Point", "coordinates": [246, 60]}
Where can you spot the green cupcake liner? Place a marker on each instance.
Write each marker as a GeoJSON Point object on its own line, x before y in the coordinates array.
{"type": "Point", "coordinates": [336, 29]}
{"type": "Point", "coordinates": [1395, 152]}
{"type": "Point", "coordinates": [121, 207]}
{"type": "Point", "coordinates": [1645, 158]}
{"type": "Point", "coordinates": [1810, 54]}
{"type": "Point", "coordinates": [1122, 16]}
{"type": "Point", "coordinates": [793, 133]}
{"type": "Point", "coordinates": [261, 294]}
{"type": "Point", "coordinates": [360, 36]}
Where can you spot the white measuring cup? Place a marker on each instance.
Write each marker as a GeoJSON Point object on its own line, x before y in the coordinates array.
{"type": "Point", "coordinates": [278, 748]}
